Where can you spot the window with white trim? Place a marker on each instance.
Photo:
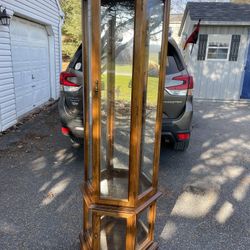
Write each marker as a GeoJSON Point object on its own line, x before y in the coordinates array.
{"type": "Point", "coordinates": [218, 47]}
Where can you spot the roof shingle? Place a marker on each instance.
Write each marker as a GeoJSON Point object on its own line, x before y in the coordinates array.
{"type": "Point", "coordinates": [221, 12]}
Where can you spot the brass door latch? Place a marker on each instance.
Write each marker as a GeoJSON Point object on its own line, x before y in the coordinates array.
{"type": "Point", "coordinates": [96, 86]}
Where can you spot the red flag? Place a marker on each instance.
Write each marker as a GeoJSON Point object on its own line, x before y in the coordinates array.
{"type": "Point", "coordinates": [194, 36]}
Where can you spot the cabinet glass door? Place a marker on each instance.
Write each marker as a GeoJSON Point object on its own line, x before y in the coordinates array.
{"type": "Point", "coordinates": [117, 38]}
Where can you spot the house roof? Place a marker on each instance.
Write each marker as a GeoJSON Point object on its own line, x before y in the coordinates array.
{"type": "Point", "coordinates": [215, 11]}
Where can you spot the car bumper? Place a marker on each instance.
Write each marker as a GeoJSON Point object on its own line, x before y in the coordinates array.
{"type": "Point", "coordinates": [172, 127]}
{"type": "Point", "coordinates": [72, 122]}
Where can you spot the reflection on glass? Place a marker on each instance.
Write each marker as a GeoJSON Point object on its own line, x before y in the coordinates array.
{"type": "Point", "coordinates": [117, 31]}
{"type": "Point", "coordinates": [89, 113]}
{"type": "Point", "coordinates": [153, 48]}
{"type": "Point", "coordinates": [142, 227]}
{"type": "Point", "coordinates": [90, 138]}
{"type": "Point", "coordinates": [113, 233]}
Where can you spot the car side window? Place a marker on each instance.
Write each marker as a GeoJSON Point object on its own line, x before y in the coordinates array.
{"type": "Point", "coordinates": [174, 64]}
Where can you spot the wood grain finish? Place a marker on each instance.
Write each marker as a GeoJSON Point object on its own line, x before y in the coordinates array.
{"type": "Point", "coordinates": [162, 75]}
{"type": "Point", "coordinates": [131, 232]}
{"type": "Point", "coordinates": [96, 95]}
{"type": "Point", "coordinates": [130, 208]}
{"type": "Point", "coordinates": [85, 85]}
{"type": "Point", "coordinates": [137, 99]}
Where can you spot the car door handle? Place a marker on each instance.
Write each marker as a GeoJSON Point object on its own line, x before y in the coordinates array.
{"type": "Point", "coordinates": [33, 77]}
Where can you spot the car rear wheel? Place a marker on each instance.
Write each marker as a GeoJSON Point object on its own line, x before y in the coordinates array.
{"type": "Point", "coordinates": [76, 142]}
{"type": "Point", "coordinates": [181, 146]}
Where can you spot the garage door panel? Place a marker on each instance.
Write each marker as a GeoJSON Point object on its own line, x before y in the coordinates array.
{"type": "Point", "coordinates": [23, 80]}
{"type": "Point", "coordinates": [41, 92]}
{"type": "Point", "coordinates": [20, 53]}
{"type": "Point", "coordinates": [30, 53]}
{"type": "Point", "coordinates": [21, 95]}
{"type": "Point", "coordinates": [40, 96]}
{"type": "Point", "coordinates": [24, 103]}
{"type": "Point", "coordinates": [17, 78]}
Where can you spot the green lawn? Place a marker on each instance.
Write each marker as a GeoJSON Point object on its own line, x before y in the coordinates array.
{"type": "Point", "coordinates": [123, 88]}
{"type": "Point", "coordinates": [123, 69]}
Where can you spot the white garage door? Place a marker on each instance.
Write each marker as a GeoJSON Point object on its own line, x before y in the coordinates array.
{"type": "Point", "coordinates": [30, 56]}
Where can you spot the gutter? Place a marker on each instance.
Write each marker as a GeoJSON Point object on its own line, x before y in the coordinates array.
{"type": "Point", "coordinates": [221, 23]}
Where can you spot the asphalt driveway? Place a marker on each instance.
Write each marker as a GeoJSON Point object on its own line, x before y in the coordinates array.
{"type": "Point", "coordinates": [206, 197]}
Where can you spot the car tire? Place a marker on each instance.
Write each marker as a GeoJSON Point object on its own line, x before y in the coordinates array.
{"type": "Point", "coordinates": [76, 142]}
{"type": "Point", "coordinates": [181, 146]}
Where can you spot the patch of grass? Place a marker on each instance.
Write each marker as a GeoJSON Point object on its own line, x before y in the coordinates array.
{"type": "Point", "coordinates": [123, 89]}
{"type": "Point", "coordinates": [123, 69]}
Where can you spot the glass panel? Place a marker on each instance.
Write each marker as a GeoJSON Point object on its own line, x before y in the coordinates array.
{"type": "Point", "coordinates": [142, 227]}
{"type": "Point", "coordinates": [90, 119]}
{"type": "Point", "coordinates": [153, 47]}
{"type": "Point", "coordinates": [113, 233]}
{"type": "Point", "coordinates": [174, 63]}
{"type": "Point", "coordinates": [117, 32]}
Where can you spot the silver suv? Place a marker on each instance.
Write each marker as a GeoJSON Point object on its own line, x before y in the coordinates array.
{"type": "Point", "coordinates": [178, 100]}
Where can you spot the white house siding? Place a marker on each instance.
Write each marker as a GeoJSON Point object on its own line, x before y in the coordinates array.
{"type": "Point", "coordinates": [218, 80]}
{"type": "Point", "coordinates": [47, 13]}
{"type": "Point", "coordinates": [7, 95]}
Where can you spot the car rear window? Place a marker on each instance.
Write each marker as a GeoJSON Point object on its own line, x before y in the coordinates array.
{"type": "Point", "coordinates": [174, 64]}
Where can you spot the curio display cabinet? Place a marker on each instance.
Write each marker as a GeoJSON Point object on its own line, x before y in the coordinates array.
{"type": "Point", "coordinates": [124, 65]}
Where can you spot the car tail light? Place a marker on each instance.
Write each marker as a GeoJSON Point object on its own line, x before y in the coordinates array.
{"type": "Point", "coordinates": [65, 131]}
{"type": "Point", "coordinates": [183, 86]}
{"type": "Point", "coordinates": [68, 82]}
{"type": "Point", "coordinates": [183, 136]}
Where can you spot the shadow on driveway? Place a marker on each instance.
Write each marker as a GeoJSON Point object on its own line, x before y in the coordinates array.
{"type": "Point", "coordinates": [206, 201]}
{"type": "Point", "coordinates": [206, 189]}
{"type": "Point", "coordinates": [40, 176]}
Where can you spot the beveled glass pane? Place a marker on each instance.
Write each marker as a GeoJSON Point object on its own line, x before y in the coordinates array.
{"type": "Point", "coordinates": [117, 32]}
{"type": "Point", "coordinates": [90, 165]}
{"type": "Point", "coordinates": [142, 228]}
{"type": "Point", "coordinates": [90, 106]}
{"type": "Point", "coordinates": [113, 233]}
{"type": "Point", "coordinates": [153, 48]}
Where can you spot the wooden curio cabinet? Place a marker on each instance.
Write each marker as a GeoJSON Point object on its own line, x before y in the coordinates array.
{"type": "Point", "coordinates": [124, 58]}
